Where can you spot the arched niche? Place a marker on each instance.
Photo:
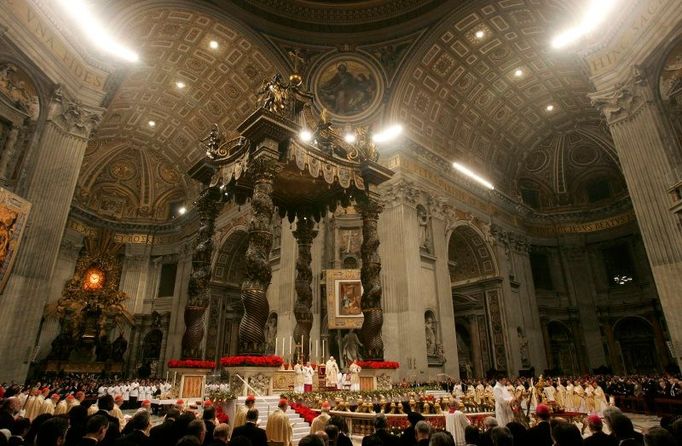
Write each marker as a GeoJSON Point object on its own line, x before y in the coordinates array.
{"type": "Point", "coordinates": [635, 338]}
{"type": "Point", "coordinates": [562, 349]}
{"type": "Point", "coordinates": [434, 346]}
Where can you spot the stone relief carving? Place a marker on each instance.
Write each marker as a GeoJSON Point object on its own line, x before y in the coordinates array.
{"type": "Point", "coordinates": [260, 383]}
{"type": "Point", "coordinates": [384, 382]}
{"type": "Point", "coordinates": [236, 385]}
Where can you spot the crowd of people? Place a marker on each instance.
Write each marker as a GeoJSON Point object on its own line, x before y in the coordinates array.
{"type": "Point", "coordinates": [59, 413]}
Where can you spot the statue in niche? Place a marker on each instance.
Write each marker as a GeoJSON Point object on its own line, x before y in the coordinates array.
{"type": "Point", "coordinates": [270, 333]}
{"type": "Point", "coordinates": [523, 347]}
{"type": "Point", "coordinates": [424, 232]}
{"type": "Point", "coordinates": [118, 348]}
{"type": "Point", "coordinates": [431, 342]}
{"type": "Point", "coordinates": [351, 347]}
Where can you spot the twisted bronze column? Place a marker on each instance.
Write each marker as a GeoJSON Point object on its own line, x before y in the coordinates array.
{"type": "Point", "coordinates": [304, 233]}
{"type": "Point", "coordinates": [257, 261]}
{"type": "Point", "coordinates": [370, 333]}
{"type": "Point", "coordinates": [207, 206]}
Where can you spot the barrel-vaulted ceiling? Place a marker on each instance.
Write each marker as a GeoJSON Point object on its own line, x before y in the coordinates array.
{"type": "Point", "coordinates": [479, 98]}
{"type": "Point", "coordinates": [220, 86]}
{"type": "Point", "coordinates": [463, 96]}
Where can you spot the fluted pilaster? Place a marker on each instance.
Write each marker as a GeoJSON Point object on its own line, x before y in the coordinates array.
{"type": "Point", "coordinates": [53, 181]}
{"type": "Point", "coordinates": [645, 154]}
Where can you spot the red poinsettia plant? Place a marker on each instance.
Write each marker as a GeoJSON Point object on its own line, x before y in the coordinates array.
{"type": "Point", "coordinates": [190, 364]}
{"type": "Point", "coordinates": [254, 361]}
{"type": "Point", "coordinates": [378, 364]}
{"type": "Point", "coordinates": [304, 411]}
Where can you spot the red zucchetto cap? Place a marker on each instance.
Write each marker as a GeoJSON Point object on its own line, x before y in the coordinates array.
{"type": "Point", "coordinates": [594, 420]}
{"type": "Point", "coordinates": [283, 402]}
{"type": "Point", "coordinates": [149, 402]}
{"type": "Point", "coordinates": [54, 396]}
{"type": "Point", "coordinates": [118, 398]}
{"type": "Point", "coordinates": [208, 403]}
{"type": "Point", "coordinates": [179, 402]}
{"type": "Point", "coordinates": [69, 397]}
{"type": "Point", "coordinates": [542, 410]}
{"type": "Point", "coordinates": [326, 405]}
{"type": "Point", "coordinates": [250, 398]}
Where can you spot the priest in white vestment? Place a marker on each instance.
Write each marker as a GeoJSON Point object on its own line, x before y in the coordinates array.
{"type": "Point", "coordinates": [503, 400]}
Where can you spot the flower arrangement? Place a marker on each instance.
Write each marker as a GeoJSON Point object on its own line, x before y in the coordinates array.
{"type": "Point", "coordinates": [379, 364]}
{"type": "Point", "coordinates": [254, 361]}
{"type": "Point", "coordinates": [190, 364]}
{"type": "Point", "coordinates": [220, 395]}
{"type": "Point", "coordinates": [304, 411]}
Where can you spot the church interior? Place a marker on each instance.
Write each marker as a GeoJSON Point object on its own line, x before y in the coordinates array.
{"type": "Point", "coordinates": [495, 183]}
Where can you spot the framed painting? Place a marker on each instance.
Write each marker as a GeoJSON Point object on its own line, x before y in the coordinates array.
{"type": "Point", "coordinates": [344, 297]}
{"type": "Point", "coordinates": [13, 216]}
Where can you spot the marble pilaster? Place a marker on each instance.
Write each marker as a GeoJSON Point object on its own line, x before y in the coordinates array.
{"type": "Point", "coordinates": [644, 149]}
{"type": "Point", "coordinates": [60, 154]}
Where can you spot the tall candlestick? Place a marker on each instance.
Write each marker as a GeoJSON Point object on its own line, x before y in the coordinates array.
{"type": "Point", "coordinates": [291, 341]}
{"type": "Point", "coordinates": [276, 340]}
{"type": "Point", "coordinates": [317, 350]}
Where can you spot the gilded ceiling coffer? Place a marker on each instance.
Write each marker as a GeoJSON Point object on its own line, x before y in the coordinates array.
{"type": "Point", "coordinates": [302, 179]}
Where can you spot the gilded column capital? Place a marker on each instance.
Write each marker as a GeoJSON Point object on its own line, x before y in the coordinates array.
{"type": "Point", "coordinates": [623, 100]}
{"type": "Point", "coordinates": [72, 116]}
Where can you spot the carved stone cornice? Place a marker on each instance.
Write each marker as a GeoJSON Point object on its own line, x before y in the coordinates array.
{"type": "Point", "coordinates": [72, 116]}
{"type": "Point", "coordinates": [622, 101]}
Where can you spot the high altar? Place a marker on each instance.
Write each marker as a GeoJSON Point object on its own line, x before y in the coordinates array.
{"type": "Point", "coordinates": [271, 165]}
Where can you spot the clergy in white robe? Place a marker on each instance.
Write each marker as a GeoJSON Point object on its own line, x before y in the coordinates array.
{"type": "Point", "coordinates": [331, 372]}
{"type": "Point", "coordinates": [456, 422]}
{"type": "Point", "coordinates": [503, 399]}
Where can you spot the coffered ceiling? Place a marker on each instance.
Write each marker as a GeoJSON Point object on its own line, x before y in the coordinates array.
{"type": "Point", "coordinates": [470, 80]}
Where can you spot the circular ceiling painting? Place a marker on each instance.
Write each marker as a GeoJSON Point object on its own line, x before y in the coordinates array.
{"type": "Point", "coordinates": [348, 86]}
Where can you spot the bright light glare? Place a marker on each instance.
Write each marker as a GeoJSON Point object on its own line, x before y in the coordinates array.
{"type": "Point", "coordinates": [518, 73]}
{"type": "Point", "coordinates": [213, 44]}
{"type": "Point", "coordinates": [182, 210]}
{"type": "Point", "coordinates": [479, 34]}
{"type": "Point", "coordinates": [594, 15]}
{"type": "Point", "coordinates": [305, 135]}
{"type": "Point", "coordinates": [471, 174]}
{"type": "Point", "coordinates": [151, 123]}
{"type": "Point", "coordinates": [349, 138]}
{"type": "Point", "coordinates": [388, 133]}
{"type": "Point", "coordinates": [180, 84]}
{"type": "Point", "coordinates": [80, 13]}
{"type": "Point", "coordinates": [550, 107]}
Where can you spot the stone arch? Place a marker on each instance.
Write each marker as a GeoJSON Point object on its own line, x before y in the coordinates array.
{"type": "Point", "coordinates": [635, 338]}
{"type": "Point", "coordinates": [562, 349]}
{"type": "Point", "coordinates": [227, 265]}
{"type": "Point", "coordinates": [470, 257]}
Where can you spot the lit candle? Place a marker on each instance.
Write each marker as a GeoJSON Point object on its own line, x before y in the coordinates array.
{"type": "Point", "coordinates": [317, 350]}
{"type": "Point", "coordinates": [291, 340]}
{"type": "Point", "coordinates": [276, 340]}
